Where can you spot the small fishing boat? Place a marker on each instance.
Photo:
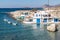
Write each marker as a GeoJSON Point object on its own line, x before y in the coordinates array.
{"type": "Point", "coordinates": [9, 22]}
{"type": "Point", "coordinates": [5, 20]}
{"type": "Point", "coordinates": [14, 23]}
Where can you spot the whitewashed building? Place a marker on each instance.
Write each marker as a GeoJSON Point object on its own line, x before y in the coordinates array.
{"type": "Point", "coordinates": [38, 17]}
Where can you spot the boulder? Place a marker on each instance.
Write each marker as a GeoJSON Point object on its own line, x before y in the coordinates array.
{"type": "Point", "coordinates": [52, 27]}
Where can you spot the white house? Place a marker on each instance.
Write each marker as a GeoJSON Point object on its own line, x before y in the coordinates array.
{"type": "Point", "coordinates": [38, 17]}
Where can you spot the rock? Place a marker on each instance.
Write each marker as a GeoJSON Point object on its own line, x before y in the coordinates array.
{"type": "Point", "coordinates": [52, 27]}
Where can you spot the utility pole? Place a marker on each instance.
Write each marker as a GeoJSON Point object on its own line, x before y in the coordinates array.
{"type": "Point", "coordinates": [48, 4]}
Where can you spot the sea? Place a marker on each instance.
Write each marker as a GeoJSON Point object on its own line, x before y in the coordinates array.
{"type": "Point", "coordinates": [23, 31]}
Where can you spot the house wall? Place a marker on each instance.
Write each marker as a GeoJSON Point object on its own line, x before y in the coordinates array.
{"type": "Point", "coordinates": [34, 20]}
{"type": "Point", "coordinates": [39, 15]}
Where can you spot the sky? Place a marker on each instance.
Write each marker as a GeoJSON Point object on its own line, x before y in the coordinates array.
{"type": "Point", "coordinates": [26, 3]}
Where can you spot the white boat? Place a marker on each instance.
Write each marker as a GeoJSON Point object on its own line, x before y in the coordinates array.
{"type": "Point", "coordinates": [5, 19]}
{"type": "Point", "coordinates": [14, 23]}
{"type": "Point", "coordinates": [9, 22]}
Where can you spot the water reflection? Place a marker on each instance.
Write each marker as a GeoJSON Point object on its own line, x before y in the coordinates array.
{"type": "Point", "coordinates": [30, 32]}
{"type": "Point", "coordinates": [36, 26]}
{"type": "Point", "coordinates": [52, 35]}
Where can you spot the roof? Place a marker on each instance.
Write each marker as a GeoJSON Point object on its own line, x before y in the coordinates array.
{"type": "Point", "coordinates": [42, 12]}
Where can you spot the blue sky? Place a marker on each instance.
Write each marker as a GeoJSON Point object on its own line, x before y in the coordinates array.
{"type": "Point", "coordinates": [26, 3]}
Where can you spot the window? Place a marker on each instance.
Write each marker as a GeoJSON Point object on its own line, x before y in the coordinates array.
{"type": "Point", "coordinates": [56, 20]}
{"type": "Point", "coordinates": [45, 20]}
{"type": "Point", "coordinates": [22, 13]}
{"type": "Point", "coordinates": [49, 15]}
{"type": "Point", "coordinates": [30, 20]}
{"type": "Point", "coordinates": [36, 15]}
{"type": "Point", "coordinates": [39, 14]}
{"type": "Point", "coordinates": [44, 15]}
{"type": "Point", "coordinates": [26, 13]}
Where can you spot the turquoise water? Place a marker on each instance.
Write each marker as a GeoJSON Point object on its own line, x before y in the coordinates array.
{"type": "Point", "coordinates": [25, 31]}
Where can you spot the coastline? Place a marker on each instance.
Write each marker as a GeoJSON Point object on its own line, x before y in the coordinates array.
{"type": "Point", "coordinates": [15, 14]}
{"type": "Point", "coordinates": [22, 13]}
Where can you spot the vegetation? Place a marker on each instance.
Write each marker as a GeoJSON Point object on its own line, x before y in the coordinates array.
{"type": "Point", "coordinates": [34, 9]}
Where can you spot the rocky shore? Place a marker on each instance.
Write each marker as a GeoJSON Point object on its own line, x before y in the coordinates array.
{"type": "Point", "coordinates": [16, 14]}
{"type": "Point", "coordinates": [55, 11]}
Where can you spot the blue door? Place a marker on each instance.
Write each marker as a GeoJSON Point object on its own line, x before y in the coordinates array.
{"type": "Point", "coordinates": [55, 20]}
{"type": "Point", "coordinates": [45, 20]}
{"type": "Point", "coordinates": [38, 20]}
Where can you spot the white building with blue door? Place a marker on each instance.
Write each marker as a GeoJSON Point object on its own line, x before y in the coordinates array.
{"type": "Point", "coordinates": [44, 17]}
{"type": "Point", "coordinates": [39, 17]}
